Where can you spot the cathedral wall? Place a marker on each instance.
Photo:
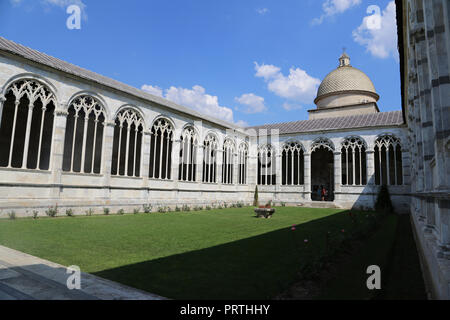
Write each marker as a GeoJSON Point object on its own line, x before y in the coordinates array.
{"type": "Point", "coordinates": [426, 32]}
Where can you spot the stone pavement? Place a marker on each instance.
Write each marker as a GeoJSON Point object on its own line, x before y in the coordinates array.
{"type": "Point", "coordinates": [25, 277]}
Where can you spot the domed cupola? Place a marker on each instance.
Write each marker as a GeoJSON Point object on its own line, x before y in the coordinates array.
{"type": "Point", "coordinates": [345, 90]}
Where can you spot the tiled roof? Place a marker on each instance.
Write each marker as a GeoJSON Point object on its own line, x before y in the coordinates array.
{"type": "Point", "coordinates": [44, 59]}
{"type": "Point", "coordinates": [392, 118]}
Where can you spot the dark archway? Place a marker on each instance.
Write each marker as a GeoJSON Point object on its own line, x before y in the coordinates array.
{"type": "Point", "coordinates": [322, 173]}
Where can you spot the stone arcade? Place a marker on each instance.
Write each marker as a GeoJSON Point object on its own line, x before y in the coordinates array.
{"type": "Point", "coordinates": [73, 138]}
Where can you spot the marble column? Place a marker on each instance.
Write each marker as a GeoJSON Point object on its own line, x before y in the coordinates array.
{"type": "Point", "coordinates": [307, 157]}
{"type": "Point", "coordinates": [176, 147]}
{"type": "Point", "coordinates": [370, 167]}
{"type": "Point", "coordinates": [108, 140]}
{"type": "Point", "coordinates": [337, 175]}
{"type": "Point", "coordinates": [57, 148]}
{"type": "Point", "coordinates": [199, 164]}
{"type": "Point", "coordinates": [219, 161]}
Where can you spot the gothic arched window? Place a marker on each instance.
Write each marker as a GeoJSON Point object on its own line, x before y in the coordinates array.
{"type": "Point", "coordinates": [161, 149]}
{"type": "Point", "coordinates": [228, 161]}
{"type": "Point", "coordinates": [353, 160]}
{"type": "Point", "coordinates": [292, 164]}
{"type": "Point", "coordinates": [26, 127]}
{"type": "Point", "coordinates": [84, 136]}
{"type": "Point", "coordinates": [243, 163]}
{"type": "Point", "coordinates": [188, 155]}
{"type": "Point", "coordinates": [266, 165]}
{"type": "Point", "coordinates": [388, 161]}
{"type": "Point", "coordinates": [209, 159]}
{"type": "Point", "coordinates": [127, 144]}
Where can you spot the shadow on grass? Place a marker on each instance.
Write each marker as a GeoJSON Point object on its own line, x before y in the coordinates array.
{"type": "Point", "coordinates": [259, 267]}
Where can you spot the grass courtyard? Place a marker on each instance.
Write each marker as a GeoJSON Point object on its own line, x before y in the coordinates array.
{"type": "Point", "coordinates": [216, 254]}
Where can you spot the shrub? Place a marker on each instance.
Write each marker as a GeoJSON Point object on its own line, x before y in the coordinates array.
{"type": "Point", "coordinates": [283, 204]}
{"type": "Point", "coordinates": [186, 207]}
{"type": "Point", "coordinates": [35, 214]}
{"type": "Point", "coordinates": [225, 205]}
{"type": "Point", "coordinates": [255, 197]}
{"type": "Point", "coordinates": [69, 212]}
{"type": "Point", "coordinates": [89, 212]}
{"type": "Point", "coordinates": [106, 211]}
{"type": "Point", "coordinates": [52, 211]}
{"type": "Point", "coordinates": [121, 212]}
{"type": "Point", "coordinates": [162, 209]}
{"type": "Point", "coordinates": [147, 208]}
{"type": "Point", "coordinates": [12, 215]}
{"type": "Point", "coordinates": [240, 204]}
{"type": "Point", "coordinates": [177, 209]}
{"type": "Point", "coordinates": [384, 204]}
{"type": "Point", "coordinates": [136, 210]}
{"type": "Point", "coordinates": [208, 208]}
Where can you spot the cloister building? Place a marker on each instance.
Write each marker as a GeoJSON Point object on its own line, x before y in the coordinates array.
{"type": "Point", "coordinates": [75, 139]}
{"type": "Point", "coordinates": [72, 138]}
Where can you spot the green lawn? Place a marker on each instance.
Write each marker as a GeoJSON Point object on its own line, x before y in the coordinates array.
{"type": "Point", "coordinates": [199, 255]}
{"type": "Point", "coordinates": [217, 254]}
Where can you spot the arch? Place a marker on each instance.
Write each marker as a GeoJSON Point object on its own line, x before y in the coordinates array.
{"type": "Point", "coordinates": [243, 150]}
{"type": "Point", "coordinates": [292, 163]}
{"type": "Point", "coordinates": [132, 108]}
{"type": "Point", "coordinates": [27, 118]}
{"type": "Point", "coordinates": [266, 164]}
{"type": "Point", "coordinates": [210, 146]}
{"type": "Point", "coordinates": [95, 95]}
{"type": "Point", "coordinates": [189, 145]}
{"type": "Point", "coordinates": [353, 161]}
{"type": "Point", "coordinates": [30, 76]}
{"type": "Point", "coordinates": [166, 118]}
{"type": "Point", "coordinates": [388, 160]}
{"type": "Point", "coordinates": [127, 144]}
{"type": "Point", "coordinates": [161, 142]}
{"type": "Point", "coordinates": [228, 158]}
{"type": "Point", "coordinates": [212, 133]}
{"type": "Point", "coordinates": [322, 143]}
{"type": "Point", "coordinates": [83, 140]}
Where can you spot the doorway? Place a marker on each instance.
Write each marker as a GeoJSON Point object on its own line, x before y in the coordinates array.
{"type": "Point", "coordinates": [322, 173]}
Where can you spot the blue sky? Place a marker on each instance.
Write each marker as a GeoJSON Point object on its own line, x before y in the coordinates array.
{"type": "Point", "coordinates": [250, 62]}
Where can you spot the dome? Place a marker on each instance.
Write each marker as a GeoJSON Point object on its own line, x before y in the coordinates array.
{"type": "Point", "coordinates": [345, 78]}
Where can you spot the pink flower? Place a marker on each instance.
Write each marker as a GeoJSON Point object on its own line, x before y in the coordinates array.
{"type": "Point", "coordinates": [293, 228]}
{"type": "Point", "coordinates": [343, 230]}
{"type": "Point", "coordinates": [306, 240]}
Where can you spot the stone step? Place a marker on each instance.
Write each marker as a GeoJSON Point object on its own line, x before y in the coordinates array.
{"type": "Point", "coordinates": [319, 204]}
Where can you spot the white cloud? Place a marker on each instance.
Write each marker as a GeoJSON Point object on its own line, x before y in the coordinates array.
{"type": "Point", "coordinates": [195, 98]}
{"type": "Point", "coordinates": [381, 40]}
{"type": "Point", "coordinates": [253, 103]}
{"type": "Point", "coordinates": [291, 106]}
{"type": "Point", "coordinates": [262, 11]}
{"type": "Point", "coordinates": [156, 91]}
{"type": "Point", "coordinates": [297, 86]}
{"type": "Point", "coordinates": [333, 7]}
{"type": "Point", "coordinates": [59, 3]}
{"type": "Point", "coordinates": [266, 71]}
{"type": "Point", "coordinates": [242, 123]}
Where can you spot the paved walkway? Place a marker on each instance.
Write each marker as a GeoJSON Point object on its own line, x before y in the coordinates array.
{"type": "Point", "coordinates": [25, 277]}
